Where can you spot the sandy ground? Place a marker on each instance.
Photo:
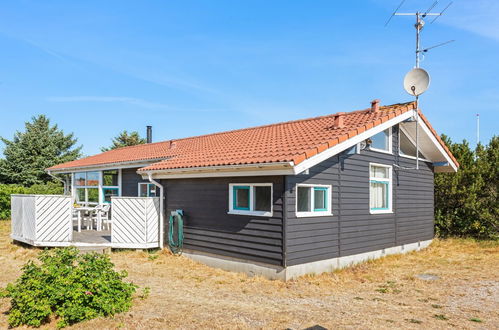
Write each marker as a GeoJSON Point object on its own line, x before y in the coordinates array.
{"type": "Point", "coordinates": [379, 294]}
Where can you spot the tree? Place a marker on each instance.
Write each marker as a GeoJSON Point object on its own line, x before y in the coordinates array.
{"type": "Point", "coordinates": [466, 202]}
{"type": "Point", "coordinates": [32, 151]}
{"type": "Point", "coordinates": [124, 140]}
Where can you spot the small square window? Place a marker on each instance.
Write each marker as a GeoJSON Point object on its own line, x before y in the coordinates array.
{"type": "Point", "coordinates": [148, 190]}
{"type": "Point", "coordinates": [313, 200]}
{"type": "Point", "coordinates": [108, 193]}
{"type": "Point", "coordinates": [320, 197]}
{"type": "Point", "coordinates": [250, 199]}
{"type": "Point", "coordinates": [382, 141]}
{"type": "Point", "coordinates": [110, 178]}
{"type": "Point", "coordinates": [242, 198]}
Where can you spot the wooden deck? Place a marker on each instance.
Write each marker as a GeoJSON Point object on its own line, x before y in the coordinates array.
{"type": "Point", "coordinates": [92, 237]}
{"type": "Point", "coordinates": [48, 221]}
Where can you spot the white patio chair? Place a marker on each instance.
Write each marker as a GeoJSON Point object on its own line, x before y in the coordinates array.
{"type": "Point", "coordinates": [91, 216]}
{"type": "Point", "coordinates": [105, 212]}
{"type": "Point", "coordinates": [76, 219]}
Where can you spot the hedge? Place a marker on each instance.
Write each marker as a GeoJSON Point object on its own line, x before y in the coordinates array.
{"type": "Point", "coordinates": [50, 188]}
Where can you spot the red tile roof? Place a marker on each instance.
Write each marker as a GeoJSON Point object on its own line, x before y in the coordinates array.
{"type": "Point", "coordinates": [292, 141]}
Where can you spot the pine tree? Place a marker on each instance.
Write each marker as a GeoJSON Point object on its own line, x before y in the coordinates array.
{"type": "Point", "coordinates": [32, 151]}
{"type": "Point", "coordinates": [124, 140]}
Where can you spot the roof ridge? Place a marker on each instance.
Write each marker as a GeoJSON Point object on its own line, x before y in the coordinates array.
{"type": "Point", "coordinates": [287, 122]}
{"type": "Point", "coordinates": [256, 127]}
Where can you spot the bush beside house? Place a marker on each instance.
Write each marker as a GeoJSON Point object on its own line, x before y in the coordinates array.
{"type": "Point", "coordinates": [69, 286]}
{"type": "Point", "coordinates": [49, 188]}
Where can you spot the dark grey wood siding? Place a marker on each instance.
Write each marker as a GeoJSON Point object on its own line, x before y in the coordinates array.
{"type": "Point", "coordinates": [352, 229]}
{"type": "Point", "coordinates": [130, 182]}
{"type": "Point", "coordinates": [209, 228]}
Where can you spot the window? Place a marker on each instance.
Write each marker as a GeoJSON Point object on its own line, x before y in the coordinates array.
{"type": "Point", "coordinates": [313, 200]}
{"type": "Point", "coordinates": [87, 185]}
{"type": "Point", "coordinates": [110, 178]}
{"type": "Point", "coordinates": [148, 190]}
{"type": "Point", "coordinates": [407, 146]}
{"type": "Point", "coordinates": [382, 141]}
{"type": "Point", "coordinates": [251, 199]}
{"type": "Point", "coordinates": [380, 188]}
{"type": "Point", "coordinates": [108, 193]}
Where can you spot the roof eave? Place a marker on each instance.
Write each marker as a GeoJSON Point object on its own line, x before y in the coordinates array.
{"type": "Point", "coordinates": [113, 165]}
{"type": "Point", "coordinates": [276, 168]}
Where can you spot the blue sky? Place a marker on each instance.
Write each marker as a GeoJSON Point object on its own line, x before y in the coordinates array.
{"type": "Point", "coordinates": [195, 67]}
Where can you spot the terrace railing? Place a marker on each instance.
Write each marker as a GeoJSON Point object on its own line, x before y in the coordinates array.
{"type": "Point", "coordinates": [42, 220]}
{"type": "Point", "coordinates": [135, 222]}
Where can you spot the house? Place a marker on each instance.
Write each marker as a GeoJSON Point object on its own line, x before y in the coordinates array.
{"type": "Point", "coordinates": [286, 199]}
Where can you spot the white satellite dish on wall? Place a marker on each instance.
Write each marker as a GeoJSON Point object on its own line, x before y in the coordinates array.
{"type": "Point", "coordinates": [416, 81]}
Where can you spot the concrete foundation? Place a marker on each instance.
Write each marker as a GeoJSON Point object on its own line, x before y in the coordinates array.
{"type": "Point", "coordinates": [291, 272]}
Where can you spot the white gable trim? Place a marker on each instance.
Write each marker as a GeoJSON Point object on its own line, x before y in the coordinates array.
{"type": "Point", "coordinates": [316, 159]}
{"type": "Point", "coordinates": [426, 129]}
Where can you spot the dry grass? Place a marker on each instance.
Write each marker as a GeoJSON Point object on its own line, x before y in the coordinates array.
{"type": "Point", "coordinates": [378, 294]}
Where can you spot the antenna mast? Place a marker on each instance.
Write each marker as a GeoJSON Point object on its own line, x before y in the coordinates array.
{"type": "Point", "coordinates": [477, 129]}
{"type": "Point", "coordinates": [419, 27]}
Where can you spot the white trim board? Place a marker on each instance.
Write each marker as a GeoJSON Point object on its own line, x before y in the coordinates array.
{"type": "Point", "coordinates": [316, 159]}
{"type": "Point", "coordinates": [426, 129]}
{"type": "Point", "coordinates": [107, 166]}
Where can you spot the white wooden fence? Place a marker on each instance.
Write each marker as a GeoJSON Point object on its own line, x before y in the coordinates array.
{"type": "Point", "coordinates": [46, 220]}
{"type": "Point", "coordinates": [135, 222]}
{"type": "Point", "coordinates": [41, 220]}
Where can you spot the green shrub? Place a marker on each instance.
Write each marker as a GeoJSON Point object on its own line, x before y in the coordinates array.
{"type": "Point", "coordinates": [50, 188]}
{"type": "Point", "coordinates": [467, 202]}
{"type": "Point", "coordinates": [69, 286]}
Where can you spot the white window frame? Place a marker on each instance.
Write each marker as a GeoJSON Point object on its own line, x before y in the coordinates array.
{"type": "Point", "coordinates": [251, 210]}
{"type": "Point", "coordinates": [146, 183]}
{"type": "Point", "coordinates": [390, 188]}
{"type": "Point", "coordinates": [86, 187]}
{"type": "Point", "coordinates": [100, 187]}
{"type": "Point", "coordinates": [390, 142]}
{"type": "Point", "coordinates": [401, 129]}
{"type": "Point", "coordinates": [312, 213]}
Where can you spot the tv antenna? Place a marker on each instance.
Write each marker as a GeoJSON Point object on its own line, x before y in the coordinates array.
{"type": "Point", "coordinates": [417, 81]}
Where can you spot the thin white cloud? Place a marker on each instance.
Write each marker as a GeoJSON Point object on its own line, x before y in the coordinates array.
{"type": "Point", "coordinates": [110, 99]}
{"type": "Point", "coordinates": [477, 16]}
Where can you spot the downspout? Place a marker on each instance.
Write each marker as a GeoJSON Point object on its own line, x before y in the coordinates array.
{"type": "Point", "coordinates": [161, 216]}
{"type": "Point", "coordinates": [64, 184]}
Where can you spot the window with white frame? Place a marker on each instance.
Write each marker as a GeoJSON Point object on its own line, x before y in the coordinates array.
{"type": "Point", "coordinates": [313, 200]}
{"type": "Point", "coordinates": [87, 187]}
{"type": "Point", "coordinates": [380, 188]}
{"type": "Point", "coordinates": [148, 190]}
{"type": "Point", "coordinates": [110, 184]}
{"type": "Point", "coordinates": [382, 141]}
{"type": "Point", "coordinates": [250, 199]}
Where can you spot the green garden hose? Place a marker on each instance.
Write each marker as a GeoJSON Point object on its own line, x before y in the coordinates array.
{"type": "Point", "coordinates": [176, 218]}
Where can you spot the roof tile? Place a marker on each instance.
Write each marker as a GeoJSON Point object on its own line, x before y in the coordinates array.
{"type": "Point", "coordinates": [292, 141]}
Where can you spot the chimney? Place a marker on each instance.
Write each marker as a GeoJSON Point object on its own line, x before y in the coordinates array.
{"type": "Point", "coordinates": [338, 120]}
{"type": "Point", "coordinates": [149, 134]}
{"type": "Point", "coordinates": [375, 105]}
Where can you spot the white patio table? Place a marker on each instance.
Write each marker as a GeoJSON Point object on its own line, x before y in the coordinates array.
{"type": "Point", "coordinates": [82, 209]}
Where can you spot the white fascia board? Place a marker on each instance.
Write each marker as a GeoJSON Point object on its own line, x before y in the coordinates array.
{"type": "Point", "coordinates": [111, 166]}
{"type": "Point", "coordinates": [316, 159]}
{"type": "Point", "coordinates": [222, 171]}
{"type": "Point", "coordinates": [437, 144]}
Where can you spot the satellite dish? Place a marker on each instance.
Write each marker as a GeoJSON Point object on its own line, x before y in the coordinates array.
{"type": "Point", "coordinates": [416, 81]}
